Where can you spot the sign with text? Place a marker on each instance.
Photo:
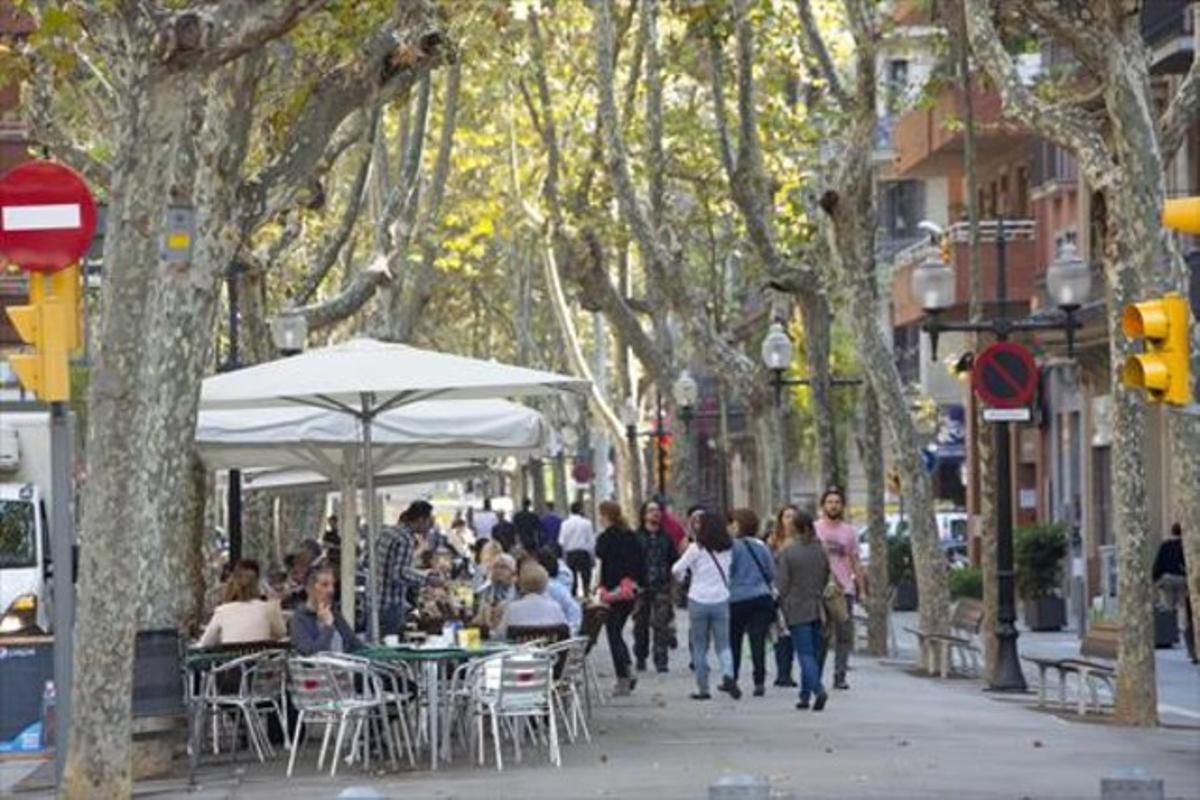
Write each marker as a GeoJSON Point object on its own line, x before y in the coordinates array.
{"type": "Point", "coordinates": [47, 216]}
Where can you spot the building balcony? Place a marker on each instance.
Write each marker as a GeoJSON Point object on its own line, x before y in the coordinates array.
{"type": "Point", "coordinates": [928, 141]}
{"type": "Point", "coordinates": [1168, 28]}
{"type": "Point", "coordinates": [1020, 237]}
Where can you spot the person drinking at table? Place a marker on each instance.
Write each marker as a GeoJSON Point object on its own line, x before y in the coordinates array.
{"type": "Point", "coordinates": [534, 608]}
{"type": "Point", "coordinates": [494, 595]}
{"type": "Point", "coordinates": [622, 572]}
{"type": "Point", "coordinates": [318, 626]}
{"type": "Point", "coordinates": [244, 616]}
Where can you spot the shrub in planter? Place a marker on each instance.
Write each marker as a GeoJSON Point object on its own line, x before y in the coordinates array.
{"type": "Point", "coordinates": [966, 582]}
{"type": "Point", "coordinates": [901, 573]}
{"type": "Point", "coordinates": [1039, 551]}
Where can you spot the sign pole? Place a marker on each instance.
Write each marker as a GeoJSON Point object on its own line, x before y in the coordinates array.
{"type": "Point", "coordinates": [62, 553]}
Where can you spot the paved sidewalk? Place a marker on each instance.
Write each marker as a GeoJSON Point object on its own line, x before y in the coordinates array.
{"type": "Point", "coordinates": [893, 735]}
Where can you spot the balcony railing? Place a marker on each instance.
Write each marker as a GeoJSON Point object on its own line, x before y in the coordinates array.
{"type": "Point", "coordinates": [1015, 230]}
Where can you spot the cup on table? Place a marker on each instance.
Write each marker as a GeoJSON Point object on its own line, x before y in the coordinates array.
{"type": "Point", "coordinates": [391, 640]}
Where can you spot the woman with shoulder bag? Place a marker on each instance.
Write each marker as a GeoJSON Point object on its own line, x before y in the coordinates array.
{"type": "Point", "coordinates": [782, 536]}
{"type": "Point", "coordinates": [707, 560]}
{"type": "Point", "coordinates": [751, 595]}
{"type": "Point", "coordinates": [622, 572]}
{"type": "Point", "coordinates": [802, 578]}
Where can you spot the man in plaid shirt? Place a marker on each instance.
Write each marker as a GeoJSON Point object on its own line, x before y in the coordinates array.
{"type": "Point", "coordinates": [397, 547]}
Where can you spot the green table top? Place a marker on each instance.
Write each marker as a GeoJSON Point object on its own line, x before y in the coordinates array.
{"type": "Point", "coordinates": [386, 654]}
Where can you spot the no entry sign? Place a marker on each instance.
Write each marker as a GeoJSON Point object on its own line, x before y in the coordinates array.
{"type": "Point", "coordinates": [1005, 375]}
{"type": "Point", "coordinates": [47, 216]}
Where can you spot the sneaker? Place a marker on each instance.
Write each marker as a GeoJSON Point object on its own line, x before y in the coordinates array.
{"type": "Point", "coordinates": [819, 702]}
{"type": "Point", "coordinates": [786, 682]}
{"type": "Point", "coordinates": [841, 684]}
{"type": "Point", "coordinates": [730, 687]}
{"type": "Point", "coordinates": [661, 669]}
{"type": "Point", "coordinates": [760, 690]}
{"type": "Point", "coordinates": [803, 704]}
{"type": "Point", "coordinates": [700, 696]}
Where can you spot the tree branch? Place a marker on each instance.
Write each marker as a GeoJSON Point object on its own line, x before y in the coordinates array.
{"type": "Point", "coordinates": [1066, 126]}
{"type": "Point", "coordinates": [353, 297]}
{"type": "Point", "coordinates": [207, 38]}
{"type": "Point", "coordinates": [1182, 110]}
{"type": "Point", "coordinates": [394, 60]}
{"type": "Point", "coordinates": [818, 54]}
{"type": "Point", "coordinates": [334, 243]}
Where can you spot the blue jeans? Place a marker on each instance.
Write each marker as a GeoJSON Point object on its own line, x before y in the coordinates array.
{"type": "Point", "coordinates": [806, 638]}
{"type": "Point", "coordinates": [709, 620]}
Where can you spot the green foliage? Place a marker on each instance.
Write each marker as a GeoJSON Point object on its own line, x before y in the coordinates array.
{"type": "Point", "coordinates": [1038, 554]}
{"type": "Point", "coordinates": [966, 582]}
{"type": "Point", "coordinates": [900, 559]}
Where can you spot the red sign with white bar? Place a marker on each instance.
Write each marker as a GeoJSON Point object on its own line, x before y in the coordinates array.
{"type": "Point", "coordinates": [47, 216]}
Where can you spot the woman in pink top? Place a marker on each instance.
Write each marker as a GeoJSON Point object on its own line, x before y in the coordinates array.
{"type": "Point", "coordinates": [243, 615]}
{"type": "Point", "coordinates": [841, 547]}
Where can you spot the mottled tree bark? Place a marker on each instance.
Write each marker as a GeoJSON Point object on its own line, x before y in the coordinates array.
{"type": "Point", "coordinates": [848, 205]}
{"type": "Point", "coordinates": [1123, 160]}
{"type": "Point", "coordinates": [870, 450]}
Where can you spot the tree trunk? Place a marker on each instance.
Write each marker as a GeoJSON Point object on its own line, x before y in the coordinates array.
{"type": "Point", "coordinates": [870, 450]}
{"type": "Point", "coordinates": [818, 323]}
{"type": "Point", "coordinates": [194, 514]}
{"type": "Point", "coordinates": [98, 761]}
{"type": "Point", "coordinates": [301, 516]}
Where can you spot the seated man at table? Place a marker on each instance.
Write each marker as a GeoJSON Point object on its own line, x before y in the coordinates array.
{"type": "Point", "coordinates": [318, 626]}
{"type": "Point", "coordinates": [533, 608]}
{"type": "Point", "coordinates": [547, 556]}
{"type": "Point", "coordinates": [243, 616]}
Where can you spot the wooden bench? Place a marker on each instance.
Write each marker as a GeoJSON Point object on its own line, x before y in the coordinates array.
{"type": "Point", "coordinates": [1095, 667]}
{"type": "Point", "coordinates": [938, 649]}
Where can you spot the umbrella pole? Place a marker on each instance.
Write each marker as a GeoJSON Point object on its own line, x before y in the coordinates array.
{"type": "Point", "coordinates": [349, 525]}
{"type": "Point", "coordinates": [372, 522]}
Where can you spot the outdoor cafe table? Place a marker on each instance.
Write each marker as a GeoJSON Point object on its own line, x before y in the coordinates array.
{"type": "Point", "coordinates": [431, 659]}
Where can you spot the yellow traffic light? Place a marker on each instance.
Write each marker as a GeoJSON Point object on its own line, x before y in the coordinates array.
{"type": "Point", "coordinates": [1182, 214]}
{"type": "Point", "coordinates": [50, 324]}
{"type": "Point", "coordinates": [1164, 369]}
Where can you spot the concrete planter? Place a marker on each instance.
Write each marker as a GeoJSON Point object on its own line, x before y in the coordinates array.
{"type": "Point", "coordinates": [906, 596]}
{"type": "Point", "coordinates": [1045, 613]}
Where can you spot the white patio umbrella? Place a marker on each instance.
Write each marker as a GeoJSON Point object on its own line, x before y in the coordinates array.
{"type": "Point", "coordinates": [364, 378]}
{"type": "Point", "coordinates": [303, 480]}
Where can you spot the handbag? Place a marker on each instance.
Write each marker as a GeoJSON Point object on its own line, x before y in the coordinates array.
{"type": "Point", "coordinates": [626, 590]}
{"type": "Point", "coordinates": [780, 619]}
{"type": "Point", "coordinates": [833, 603]}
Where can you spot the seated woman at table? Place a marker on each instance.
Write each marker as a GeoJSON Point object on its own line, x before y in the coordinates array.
{"type": "Point", "coordinates": [497, 591]}
{"type": "Point", "coordinates": [318, 626]}
{"type": "Point", "coordinates": [534, 608]}
{"type": "Point", "coordinates": [243, 615]}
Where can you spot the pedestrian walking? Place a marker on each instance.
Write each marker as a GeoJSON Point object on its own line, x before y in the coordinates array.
{"type": "Point", "coordinates": [504, 532]}
{"type": "Point", "coordinates": [655, 610]}
{"type": "Point", "coordinates": [622, 572]}
{"type": "Point", "coordinates": [529, 527]}
{"type": "Point", "coordinates": [551, 524]}
{"type": "Point", "coordinates": [707, 561]}
{"type": "Point", "coordinates": [483, 521]}
{"type": "Point", "coordinates": [783, 534]}
{"type": "Point", "coordinates": [841, 546]}
{"type": "Point", "coordinates": [578, 539]}
{"type": "Point", "coordinates": [1170, 578]}
{"type": "Point", "coordinates": [751, 596]}
{"type": "Point", "coordinates": [803, 571]}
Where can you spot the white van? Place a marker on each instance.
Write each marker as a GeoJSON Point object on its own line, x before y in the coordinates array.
{"type": "Point", "coordinates": [24, 534]}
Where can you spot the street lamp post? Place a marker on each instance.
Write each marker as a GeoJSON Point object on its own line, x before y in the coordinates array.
{"type": "Point", "coordinates": [233, 503]}
{"type": "Point", "coordinates": [687, 395]}
{"type": "Point", "coordinates": [1069, 283]}
{"type": "Point", "coordinates": [777, 354]}
{"type": "Point", "coordinates": [629, 416]}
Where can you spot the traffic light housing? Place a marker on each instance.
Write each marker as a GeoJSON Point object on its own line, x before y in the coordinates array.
{"type": "Point", "coordinates": [1182, 214]}
{"type": "Point", "coordinates": [50, 323]}
{"type": "Point", "coordinates": [1164, 368]}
